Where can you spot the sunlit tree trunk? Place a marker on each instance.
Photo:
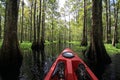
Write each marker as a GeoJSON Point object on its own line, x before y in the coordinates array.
{"type": "Point", "coordinates": [108, 22]}
{"type": "Point", "coordinates": [0, 27]}
{"type": "Point", "coordinates": [69, 29]}
{"type": "Point", "coordinates": [27, 30]}
{"type": "Point", "coordinates": [31, 22]}
{"type": "Point", "coordinates": [21, 39]}
{"type": "Point", "coordinates": [106, 2]}
{"type": "Point", "coordinates": [10, 54]}
{"type": "Point", "coordinates": [52, 38]}
{"type": "Point", "coordinates": [52, 31]}
{"type": "Point", "coordinates": [84, 38]}
{"type": "Point", "coordinates": [115, 35]}
{"type": "Point", "coordinates": [65, 33]}
{"type": "Point", "coordinates": [109, 27]}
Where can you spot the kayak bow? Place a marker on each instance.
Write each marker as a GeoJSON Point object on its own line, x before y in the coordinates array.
{"type": "Point", "coordinates": [68, 66]}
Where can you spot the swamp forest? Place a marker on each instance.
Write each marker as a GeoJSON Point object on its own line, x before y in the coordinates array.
{"type": "Point", "coordinates": [34, 32]}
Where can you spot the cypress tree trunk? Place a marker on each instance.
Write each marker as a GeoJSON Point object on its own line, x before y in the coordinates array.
{"type": "Point", "coordinates": [31, 20]}
{"type": "Point", "coordinates": [39, 23]}
{"type": "Point", "coordinates": [43, 33]}
{"type": "Point", "coordinates": [96, 54]}
{"type": "Point", "coordinates": [106, 2]}
{"type": "Point", "coordinates": [0, 27]}
{"type": "Point", "coordinates": [10, 55]}
{"type": "Point", "coordinates": [109, 27]}
{"type": "Point", "coordinates": [69, 29]}
{"type": "Point", "coordinates": [97, 50]}
{"type": "Point", "coordinates": [115, 35]}
{"type": "Point", "coordinates": [21, 40]}
{"type": "Point", "coordinates": [35, 21]}
{"type": "Point", "coordinates": [84, 38]}
{"type": "Point", "coordinates": [108, 22]}
{"type": "Point", "coordinates": [35, 45]}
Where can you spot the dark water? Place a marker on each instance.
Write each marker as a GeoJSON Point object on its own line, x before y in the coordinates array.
{"type": "Point", "coordinates": [32, 70]}
{"type": "Point", "coordinates": [112, 71]}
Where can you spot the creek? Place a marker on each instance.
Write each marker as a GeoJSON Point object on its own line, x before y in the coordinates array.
{"type": "Point", "coordinates": [32, 69]}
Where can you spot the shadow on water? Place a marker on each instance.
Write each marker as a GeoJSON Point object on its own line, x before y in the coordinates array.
{"type": "Point", "coordinates": [32, 63]}
{"type": "Point", "coordinates": [98, 70]}
{"type": "Point", "coordinates": [112, 71]}
{"type": "Point", "coordinates": [108, 72]}
{"type": "Point", "coordinates": [32, 68]}
{"type": "Point", "coordinates": [37, 66]}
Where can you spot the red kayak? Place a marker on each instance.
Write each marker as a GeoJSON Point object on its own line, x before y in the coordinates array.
{"type": "Point", "coordinates": [68, 66]}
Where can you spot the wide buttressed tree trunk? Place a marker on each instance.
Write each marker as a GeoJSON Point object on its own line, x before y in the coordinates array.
{"type": "Point", "coordinates": [96, 54]}
{"type": "Point", "coordinates": [10, 55]}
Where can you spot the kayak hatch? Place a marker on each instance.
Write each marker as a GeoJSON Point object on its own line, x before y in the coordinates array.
{"type": "Point", "coordinates": [68, 66]}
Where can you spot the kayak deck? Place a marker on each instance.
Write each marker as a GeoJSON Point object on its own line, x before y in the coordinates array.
{"type": "Point", "coordinates": [71, 67]}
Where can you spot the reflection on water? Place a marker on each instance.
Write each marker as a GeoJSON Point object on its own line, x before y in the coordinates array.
{"type": "Point", "coordinates": [32, 69]}
{"type": "Point", "coordinates": [112, 71]}
{"type": "Point", "coordinates": [26, 73]}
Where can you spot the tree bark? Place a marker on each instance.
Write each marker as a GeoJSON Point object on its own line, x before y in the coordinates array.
{"type": "Point", "coordinates": [0, 28]}
{"type": "Point", "coordinates": [106, 2]}
{"type": "Point", "coordinates": [10, 54]}
{"type": "Point", "coordinates": [43, 32]}
{"type": "Point", "coordinates": [35, 21]}
{"type": "Point", "coordinates": [96, 54]}
{"type": "Point", "coordinates": [108, 22]}
{"type": "Point", "coordinates": [69, 29]}
{"type": "Point", "coordinates": [31, 20]}
{"type": "Point", "coordinates": [21, 40]}
{"type": "Point", "coordinates": [39, 23]}
{"type": "Point", "coordinates": [84, 38]}
{"type": "Point", "coordinates": [109, 27]}
{"type": "Point", "coordinates": [115, 35]}
{"type": "Point", "coordinates": [35, 45]}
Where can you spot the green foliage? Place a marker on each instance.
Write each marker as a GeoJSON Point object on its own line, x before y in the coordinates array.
{"type": "Point", "coordinates": [118, 46]}
{"type": "Point", "coordinates": [25, 45]}
{"type": "Point", "coordinates": [74, 42]}
{"type": "Point", "coordinates": [76, 46]}
{"type": "Point", "coordinates": [0, 43]}
{"type": "Point", "coordinates": [112, 50]}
